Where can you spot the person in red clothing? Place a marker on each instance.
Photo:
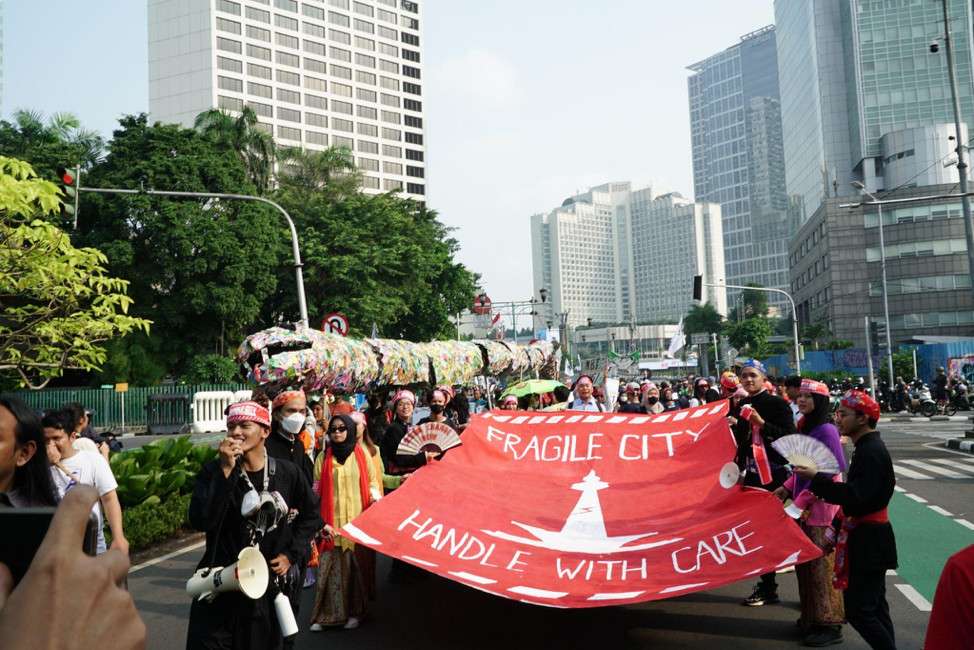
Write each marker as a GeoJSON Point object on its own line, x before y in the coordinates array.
{"type": "Point", "coordinates": [951, 624]}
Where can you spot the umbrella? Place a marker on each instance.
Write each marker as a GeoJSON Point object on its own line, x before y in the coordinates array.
{"type": "Point", "coordinates": [532, 387]}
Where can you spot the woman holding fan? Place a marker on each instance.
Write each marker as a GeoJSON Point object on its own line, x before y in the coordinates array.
{"type": "Point", "coordinates": [346, 482]}
{"type": "Point", "coordinates": [821, 605]}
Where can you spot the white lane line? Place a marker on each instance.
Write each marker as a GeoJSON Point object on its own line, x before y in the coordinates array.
{"type": "Point", "coordinates": [898, 488]}
{"type": "Point", "coordinates": [941, 511]}
{"type": "Point", "coordinates": [909, 473]}
{"type": "Point", "coordinates": [965, 523]}
{"type": "Point", "coordinates": [916, 498]}
{"type": "Point", "coordinates": [167, 556]}
{"type": "Point", "coordinates": [890, 572]}
{"type": "Point", "coordinates": [915, 597]}
{"type": "Point", "coordinates": [927, 467]}
{"type": "Point", "coordinates": [967, 467]}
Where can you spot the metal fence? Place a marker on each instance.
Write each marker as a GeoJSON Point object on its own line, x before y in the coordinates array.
{"type": "Point", "coordinates": [107, 405]}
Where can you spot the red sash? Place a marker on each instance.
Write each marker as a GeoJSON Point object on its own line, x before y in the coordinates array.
{"type": "Point", "coordinates": [760, 456]}
{"type": "Point", "coordinates": [841, 578]}
{"type": "Point", "coordinates": [326, 491]}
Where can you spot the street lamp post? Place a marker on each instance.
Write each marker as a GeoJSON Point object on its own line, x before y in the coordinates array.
{"type": "Point", "coordinates": [961, 151]}
{"type": "Point", "coordinates": [882, 265]}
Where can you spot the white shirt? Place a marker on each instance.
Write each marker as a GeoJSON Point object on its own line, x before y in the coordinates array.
{"type": "Point", "coordinates": [87, 468]}
{"type": "Point", "coordinates": [591, 404]}
{"type": "Point", "coordinates": [85, 444]}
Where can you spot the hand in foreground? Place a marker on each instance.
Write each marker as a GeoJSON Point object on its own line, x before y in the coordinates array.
{"type": "Point", "coordinates": [781, 493]}
{"type": "Point", "coordinates": [93, 611]}
{"type": "Point", "coordinates": [805, 472]}
{"type": "Point", "coordinates": [431, 456]}
{"type": "Point", "coordinates": [121, 544]}
{"type": "Point", "coordinates": [280, 564]}
{"type": "Point", "coordinates": [756, 418]}
{"type": "Point", "coordinates": [228, 450]}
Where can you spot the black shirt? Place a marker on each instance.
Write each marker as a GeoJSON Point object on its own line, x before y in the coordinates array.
{"type": "Point", "coordinates": [397, 463]}
{"type": "Point", "coordinates": [630, 407]}
{"type": "Point", "coordinates": [280, 445]}
{"type": "Point", "coordinates": [868, 488]}
{"type": "Point", "coordinates": [778, 422]}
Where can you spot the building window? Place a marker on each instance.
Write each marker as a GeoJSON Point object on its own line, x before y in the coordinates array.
{"type": "Point", "coordinates": [341, 71]}
{"type": "Point", "coordinates": [392, 168]}
{"type": "Point", "coordinates": [339, 54]}
{"type": "Point", "coordinates": [411, 7]}
{"type": "Point", "coordinates": [412, 89]}
{"type": "Point", "coordinates": [313, 30]}
{"type": "Point", "coordinates": [386, 32]}
{"type": "Point", "coordinates": [385, 48]}
{"type": "Point", "coordinates": [313, 137]}
{"type": "Point", "coordinates": [259, 15]}
{"type": "Point", "coordinates": [367, 112]}
{"type": "Point", "coordinates": [259, 71]}
{"type": "Point", "coordinates": [313, 12]}
{"type": "Point", "coordinates": [409, 23]}
{"type": "Point", "coordinates": [286, 23]}
{"type": "Point", "coordinates": [390, 100]}
{"type": "Point", "coordinates": [388, 66]}
{"type": "Point", "coordinates": [287, 133]}
{"type": "Point", "coordinates": [260, 90]}
{"type": "Point", "coordinates": [286, 40]}
{"type": "Point", "coordinates": [365, 77]}
{"type": "Point", "coordinates": [413, 121]}
{"type": "Point", "coordinates": [313, 47]}
{"type": "Point", "coordinates": [410, 71]}
{"type": "Point", "coordinates": [341, 90]}
{"type": "Point", "coordinates": [341, 20]}
{"type": "Point", "coordinates": [368, 147]}
{"type": "Point", "coordinates": [414, 138]}
{"type": "Point", "coordinates": [389, 116]}
{"type": "Point", "coordinates": [228, 45]}
{"type": "Point", "coordinates": [340, 37]}
{"type": "Point", "coordinates": [342, 141]}
{"type": "Point", "coordinates": [230, 65]}
{"type": "Point", "coordinates": [342, 125]}
{"type": "Point", "coordinates": [287, 5]}
{"type": "Point", "coordinates": [412, 105]}
{"type": "Point", "coordinates": [392, 185]}
{"type": "Point", "coordinates": [259, 34]}
{"type": "Point", "coordinates": [387, 16]}
{"type": "Point", "coordinates": [230, 103]}
{"type": "Point", "coordinates": [412, 154]}
{"type": "Point", "coordinates": [390, 151]}
{"type": "Point", "coordinates": [256, 52]}
{"type": "Point", "coordinates": [369, 130]}
{"type": "Point", "coordinates": [411, 39]}
{"type": "Point", "coordinates": [364, 43]}
{"type": "Point", "coordinates": [314, 65]}
{"type": "Point", "coordinates": [316, 119]}
{"type": "Point", "coordinates": [288, 96]}
{"type": "Point", "coordinates": [225, 25]}
{"type": "Point", "coordinates": [365, 95]}
{"type": "Point", "coordinates": [368, 164]}
{"type": "Point", "coordinates": [291, 78]}
{"type": "Point", "coordinates": [264, 110]}
{"type": "Point", "coordinates": [228, 7]}
{"type": "Point", "coordinates": [340, 4]}
{"type": "Point", "coordinates": [389, 83]}
{"type": "Point", "coordinates": [391, 134]}
{"type": "Point", "coordinates": [341, 107]}
{"type": "Point", "coordinates": [313, 83]}
{"type": "Point", "coordinates": [314, 101]}
{"type": "Point", "coordinates": [370, 182]}
{"type": "Point", "coordinates": [288, 59]}
{"type": "Point", "coordinates": [364, 26]}
{"type": "Point", "coordinates": [415, 172]}
{"type": "Point", "coordinates": [363, 9]}
{"type": "Point", "coordinates": [288, 115]}
{"type": "Point", "coordinates": [410, 55]}
{"type": "Point", "coordinates": [415, 188]}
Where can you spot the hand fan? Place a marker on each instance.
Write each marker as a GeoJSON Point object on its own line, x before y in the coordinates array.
{"type": "Point", "coordinates": [431, 436]}
{"type": "Point", "coordinates": [808, 452]}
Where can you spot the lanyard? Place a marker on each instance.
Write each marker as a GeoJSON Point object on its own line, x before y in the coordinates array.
{"type": "Point", "coordinates": [266, 478]}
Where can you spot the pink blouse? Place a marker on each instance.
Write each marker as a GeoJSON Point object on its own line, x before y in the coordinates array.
{"type": "Point", "coordinates": [820, 513]}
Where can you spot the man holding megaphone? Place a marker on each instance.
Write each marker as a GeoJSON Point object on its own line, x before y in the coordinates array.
{"type": "Point", "coordinates": [259, 515]}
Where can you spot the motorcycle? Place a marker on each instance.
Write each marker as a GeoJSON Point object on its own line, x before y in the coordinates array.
{"type": "Point", "coordinates": [921, 402]}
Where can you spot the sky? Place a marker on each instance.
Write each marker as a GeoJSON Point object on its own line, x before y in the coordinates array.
{"type": "Point", "coordinates": [526, 101]}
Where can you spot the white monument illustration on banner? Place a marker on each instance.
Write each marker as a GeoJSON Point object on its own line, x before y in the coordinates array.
{"type": "Point", "coordinates": [584, 530]}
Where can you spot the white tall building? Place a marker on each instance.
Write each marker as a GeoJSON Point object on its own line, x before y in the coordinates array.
{"type": "Point", "coordinates": [318, 74]}
{"type": "Point", "coordinates": [615, 255]}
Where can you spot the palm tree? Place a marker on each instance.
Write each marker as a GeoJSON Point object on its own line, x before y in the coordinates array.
{"type": "Point", "coordinates": [245, 135]}
{"type": "Point", "coordinates": [59, 129]}
{"type": "Point", "coordinates": [332, 170]}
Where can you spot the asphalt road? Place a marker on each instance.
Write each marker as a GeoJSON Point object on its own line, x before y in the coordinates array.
{"type": "Point", "coordinates": [931, 513]}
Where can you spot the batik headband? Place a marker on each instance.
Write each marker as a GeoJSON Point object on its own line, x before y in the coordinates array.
{"type": "Point", "coordinates": [248, 412]}
{"type": "Point", "coordinates": [285, 397]}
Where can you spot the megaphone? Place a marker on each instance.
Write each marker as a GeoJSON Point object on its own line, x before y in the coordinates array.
{"type": "Point", "coordinates": [248, 574]}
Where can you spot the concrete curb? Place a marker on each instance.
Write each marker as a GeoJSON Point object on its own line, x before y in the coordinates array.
{"type": "Point", "coordinates": [919, 418]}
{"type": "Point", "coordinates": [961, 445]}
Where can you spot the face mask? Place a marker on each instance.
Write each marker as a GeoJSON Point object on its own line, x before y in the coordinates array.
{"type": "Point", "coordinates": [652, 399]}
{"type": "Point", "coordinates": [293, 423]}
{"type": "Point", "coordinates": [436, 408]}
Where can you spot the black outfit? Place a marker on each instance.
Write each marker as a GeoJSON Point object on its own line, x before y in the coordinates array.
{"type": "Point", "coordinates": [940, 387]}
{"type": "Point", "coordinates": [395, 463]}
{"type": "Point", "coordinates": [232, 620]}
{"type": "Point", "coordinates": [778, 422]}
{"type": "Point", "coordinates": [871, 547]}
{"type": "Point", "coordinates": [630, 407]}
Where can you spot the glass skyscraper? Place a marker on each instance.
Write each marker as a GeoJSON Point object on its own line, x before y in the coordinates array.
{"type": "Point", "coordinates": [738, 160]}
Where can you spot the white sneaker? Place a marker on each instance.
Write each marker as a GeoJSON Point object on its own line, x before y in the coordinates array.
{"type": "Point", "coordinates": [316, 627]}
{"type": "Point", "coordinates": [352, 623]}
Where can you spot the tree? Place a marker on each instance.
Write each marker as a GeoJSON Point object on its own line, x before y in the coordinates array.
{"type": "Point", "coordinates": [242, 134]}
{"type": "Point", "coordinates": [57, 304]}
{"type": "Point", "coordinates": [202, 268]}
{"type": "Point", "coordinates": [702, 319]}
{"type": "Point", "coordinates": [749, 335]}
{"type": "Point", "coordinates": [331, 172]}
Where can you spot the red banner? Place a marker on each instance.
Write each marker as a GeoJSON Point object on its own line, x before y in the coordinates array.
{"type": "Point", "coordinates": [586, 509]}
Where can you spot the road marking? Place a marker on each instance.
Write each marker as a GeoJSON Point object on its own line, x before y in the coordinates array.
{"type": "Point", "coordinates": [915, 597]}
{"type": "Point", "coordinates": [965, 523]}
{"type": "Point", "coordinates": [898, 488]}
{"type": "Point", "coordinates": [967, 467]}
{"type": "Point", "coordinates": [890, 572]}
{"type": "Point", "coordinates": [909, 473]}
{"type": "Point", "coordinates": [949, 473]}
{"type": "Point", "coordinates": [916, 498]}
{"type": "Point", "coordinates": [167, 556]}
{"type": "Point", "coordinates": [941, 511]}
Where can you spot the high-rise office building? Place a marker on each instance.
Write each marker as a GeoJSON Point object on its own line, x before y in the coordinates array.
{"type": "Point", "coordinates": [317, 74]}
{"type": "Point", "coordinates": [855, 72]}
{"type": "Point", "coordinates": [617, 255]}
{"type": "Point", "coordinates": [738, 160]}
{"type": "Point", "coordinates": [864, 99]}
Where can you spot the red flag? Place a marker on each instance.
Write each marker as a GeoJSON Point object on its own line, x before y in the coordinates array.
{"type": "Point", "coordinates": [586, 510]}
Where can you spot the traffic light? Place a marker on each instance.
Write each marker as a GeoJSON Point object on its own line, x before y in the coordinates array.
{"type": "Point", "coordinates": [698, 287]}
{"type": "Point", "coordinates": [874, 334]}
{"type": "Point", "coordinates": [68, 179]}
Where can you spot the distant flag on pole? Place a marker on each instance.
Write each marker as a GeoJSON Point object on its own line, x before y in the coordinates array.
{"type": "Point", "coordinates": [678, 341]}
{"type": "Point", "coordinates": [375, 330]}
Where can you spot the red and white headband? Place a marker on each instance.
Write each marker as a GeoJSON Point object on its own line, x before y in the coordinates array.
{"type": "Point", "coordinates": [248, 412]}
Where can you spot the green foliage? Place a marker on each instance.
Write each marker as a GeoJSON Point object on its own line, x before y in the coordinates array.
{"type": "Point", "coordinates": [749, 335]}
{"type": "Point", "coordinates": [839, 344]}
{"type": "Point", "coordinates": [57, 304]}
{"type": "Point", "coordinates": [330, 173]}
{"type": "Point", "coordinates": [48, 144]}
{"type": "Point", "coordinates": [154, 520]}
{"type": "Point", "coordinates": [159, 470]}
{"type": "Point", "coordinates": [702, 319]}
{"type": "Point", "coordinates": [201, 268]}
{"type": "Point", "coordinates": [211, 369]}
{"type": "Point", "coordinates": [242, 136]}
{"type": "Point", "coordinates": [902, 365]}
{"type": "Point", "coordinates": [134, 359]}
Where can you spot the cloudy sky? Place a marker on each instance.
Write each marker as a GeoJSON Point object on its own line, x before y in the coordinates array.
{"type": "Point", "coordinates": [526, 101]}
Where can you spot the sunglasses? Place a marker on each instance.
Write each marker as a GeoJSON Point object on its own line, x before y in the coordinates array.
{"type": "Point", "coordinates": [340, 427]}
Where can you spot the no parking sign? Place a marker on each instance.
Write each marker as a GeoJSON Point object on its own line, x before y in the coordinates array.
{"type": "Point", "coordinates": [335, 323]}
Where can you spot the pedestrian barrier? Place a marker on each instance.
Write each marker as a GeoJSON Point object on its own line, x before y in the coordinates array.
{"type": "Point", "coordinates": [168, 413]}
{"type": "Point", "coordinates": [208, 410]}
